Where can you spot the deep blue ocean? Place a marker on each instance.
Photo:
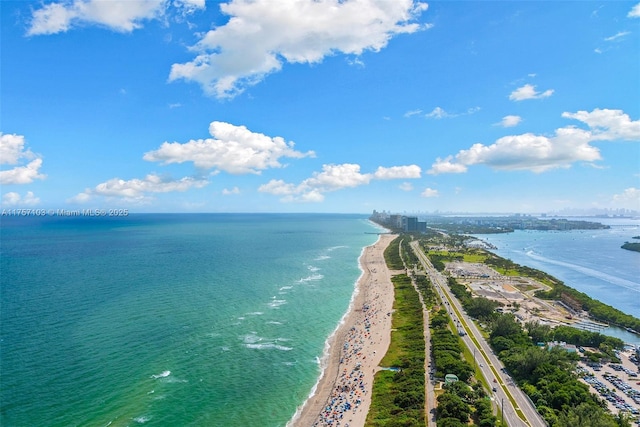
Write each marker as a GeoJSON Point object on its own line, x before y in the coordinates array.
{"type": "Point", "coordinates": [207, 319]}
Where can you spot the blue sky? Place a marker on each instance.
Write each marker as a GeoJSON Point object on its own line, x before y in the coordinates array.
{"type": "Point", "coordinates": [320, 106]}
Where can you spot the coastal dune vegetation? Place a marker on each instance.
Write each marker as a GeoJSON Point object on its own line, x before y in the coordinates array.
{"type": "Point", "coordinates": [399, 392]}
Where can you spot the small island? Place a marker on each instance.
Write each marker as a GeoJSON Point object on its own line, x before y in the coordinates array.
{"type": "Point", "coordinates": [631, 246]}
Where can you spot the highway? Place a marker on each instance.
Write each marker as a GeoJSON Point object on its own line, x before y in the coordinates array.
{"type": "Point", "coordinates": [487, 361]}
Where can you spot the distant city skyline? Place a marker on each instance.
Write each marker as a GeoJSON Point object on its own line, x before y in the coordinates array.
{"type": "Point", "coordinates": [320, 106]}
{"type": "Point", "coordinates": [563, 212]}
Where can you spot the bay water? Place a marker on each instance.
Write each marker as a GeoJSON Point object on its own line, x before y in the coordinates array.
{"type": "Point", "coordinates": [591, 261]}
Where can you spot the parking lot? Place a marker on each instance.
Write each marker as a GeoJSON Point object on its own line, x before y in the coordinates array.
{"type": "Point", "coordinates": [617, 384]}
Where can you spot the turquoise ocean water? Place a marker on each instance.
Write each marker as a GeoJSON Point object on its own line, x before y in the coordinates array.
{"type": "Point", "coordinates": [198, 320]}
{"type": "Point", "coordinates": [170, 320]}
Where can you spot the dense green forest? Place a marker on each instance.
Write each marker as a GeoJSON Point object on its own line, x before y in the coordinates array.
{"type": "Point", "coordinates": [548, 377]}
{"type": "Point", "coordinates": [464, 400]}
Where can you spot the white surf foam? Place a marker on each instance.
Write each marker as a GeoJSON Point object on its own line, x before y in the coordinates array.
{"type": "Point", "coordinates": [268, 346]}
{"type": "Point", "coordinates": [323, 361]}
{"type": "Point", "coordinates": [312, 278]}
{"type": "Point", "coordinates": [163, 374]}
{"type": "Point", "coordinates": [276, 303]}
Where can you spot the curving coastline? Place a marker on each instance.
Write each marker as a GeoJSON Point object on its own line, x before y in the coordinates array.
{"type": "Point", "coordinates": [343, 392]}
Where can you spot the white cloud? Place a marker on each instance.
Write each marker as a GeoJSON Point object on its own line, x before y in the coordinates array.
{"type": "Point", "coordinates": [438, 113]}
{"type": "Point", "coordinates": [446, 166]}
{"type": "Point", "coordinates": [14, 199]}
{"type": "Point", "coordinates": [510, 121]}
{"type": "Point", "coordinates": [234, 190]}
{"type": "Point", "coordinates": [608, 124]}
{"type": "Point", "coordinates": [629, 199]}
{"type": "Point", "coordinates": [527, 152]}
{"type": "Point", "coordinates": [334, 178]}
{"type": "Point", "coordinates": [12, 152]}
{"type": "Point", "coordinates": [529, 92]}
{"type": "Point", "coordinates": [406, 186]}
{"type": "Point", "coordinates": [12, 149]}
{"type": "Point", "coordinates": [22, 174]}
{"type": "Point", "coordinates": [413, 113]}
{"type": "Point", "coordinates": [538, 153]}
{"type": "Point", "coordinates": [118, 15]}
{"type": "Point", "coordinates": [138, 189]}
{"type": "Point", "coordinates": [263, 34]}
{"type": "Point", "coordinates": [233, 149]}
{"type": "Point", "coordinates": [617, 36]}
{"type": "Point", "coordinates": [190, 6]}
{"type": "Point", "coordinates": [398, 172]}
{"type": "Point", "coordinates": [634, 12]}
{"type": "Point", "coordinates": [429, 192]}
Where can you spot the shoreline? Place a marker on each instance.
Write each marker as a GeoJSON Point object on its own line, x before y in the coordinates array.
{"type": "Point", "coordinates": [343, 391]}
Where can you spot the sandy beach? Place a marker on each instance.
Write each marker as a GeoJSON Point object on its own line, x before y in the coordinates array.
{"type": "Point", "coordinates": [343, 394]}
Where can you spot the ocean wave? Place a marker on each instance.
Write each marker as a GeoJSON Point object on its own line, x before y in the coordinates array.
{"type": "Point", "coordinates": [268, 346]}
{"type": "Point", "coordinates": [322, 258]}
{"type": "Point", "coordinates": [255, 342]}
{"type": "Point", "coordinates": [276, 303]}
{"type": "Point", "coordinates": [174, 380]}
{"type": "Point", "coordinates": [255, 313]}
{"type": "Point", "coordinates": [311, 278]}
{"type": "Point", "coordinates": [163, 374]}
{"type": "Point", "coordinates": [274, 322]}
{"type": "Point", "coordinates": [285, 288]}
{"type": "Point", "coordinates": [313, 268]}
{"type": "Point", "coordinates": [333, 248]}
{"type": "Point", "coordinates": [251, 338]}
{"type": "Point", "coordinates": [142, 419]}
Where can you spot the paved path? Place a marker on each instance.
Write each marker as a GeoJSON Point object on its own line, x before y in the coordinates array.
{"type": "Point", "coordinates": [491, 367]}
{"type": "Point", "coordinates": [429, 392]}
